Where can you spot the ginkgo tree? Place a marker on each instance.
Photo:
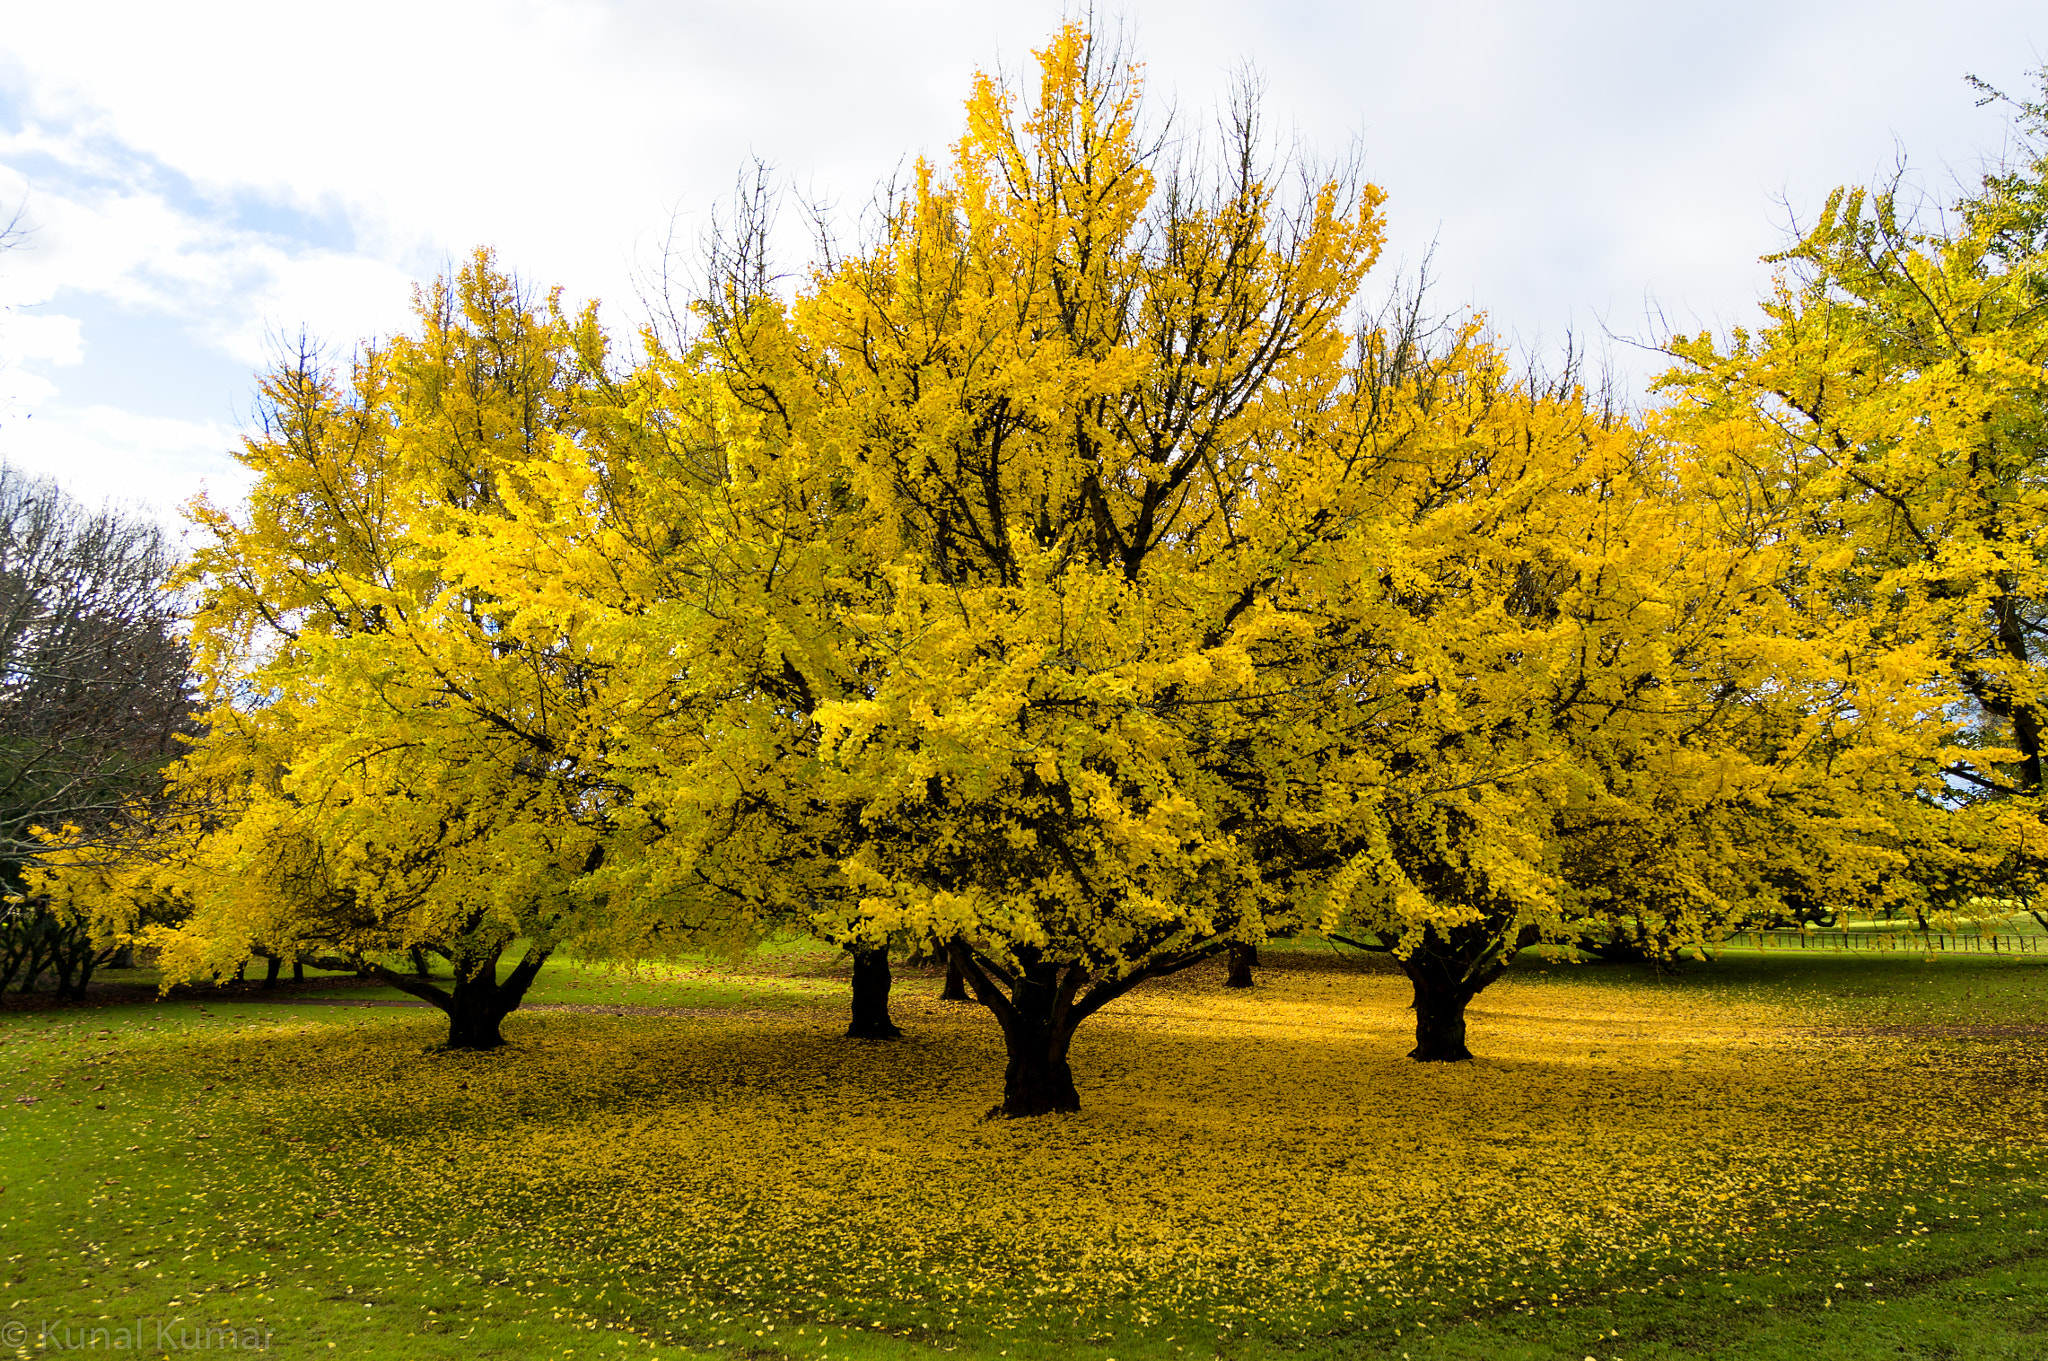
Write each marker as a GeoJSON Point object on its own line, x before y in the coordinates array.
{"type": "Point", "coordinates": [1552, 727]}
{"type": "Point", "coordinates": [987, 565]}
{"type": "Point", "coordinates": [1894, 401]}
{"type": "Point", "coordinates": [395, 758]}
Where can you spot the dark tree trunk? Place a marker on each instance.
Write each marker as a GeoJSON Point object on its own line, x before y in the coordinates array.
{"type": "Point", "coordinates": [39, 947]}
{"type": "Point", "coordinates": [478, 1002]}
{"type": "Point", "coordinates": [64, 965]}
{"type": "Point", "coordinates": [1044, 1006]}
{"type": "Point", "coordinates": [1242, 958]}
{"type": "Point", "coordinates": [273, 965]}
{"type": "Point", "coordinates": [71, 955]}
{"type": "Point", "coordinates": [89, 963]}
{"type": "Point", "coordinates": [1446, 972]}
{"type": "Point", "coordinates": [36, 960]}
{"type": "Point", "coordinates": [419, 963]}
{"type": "Point", "coordinates": [298, 971]}
{"type": "Point", "coordinates": [871, 996]}
{"type": "Point", "coordinates": [475, 1015]}
{"type": "Point", "coordinates": [1439, 1021]}
{"type": "Point", "coordinates": [1038, 1020]}
{"type": "Point", "coordinates": [956, 983]}
{"type": "Point", "coordinates": [1037, 1080]}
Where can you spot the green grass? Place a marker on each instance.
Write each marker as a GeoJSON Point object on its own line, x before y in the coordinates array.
{"type": "Point", "coordinates": [119, 1206]}
{"type": "Point", "coordinates": [213, 1190]}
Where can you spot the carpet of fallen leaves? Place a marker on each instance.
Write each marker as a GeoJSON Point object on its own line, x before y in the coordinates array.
{"type": "Point", "coordinates": [1265, 1160]}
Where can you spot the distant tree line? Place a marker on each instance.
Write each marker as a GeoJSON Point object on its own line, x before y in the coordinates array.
{"type": "Point", "coordinates": [95, 691]}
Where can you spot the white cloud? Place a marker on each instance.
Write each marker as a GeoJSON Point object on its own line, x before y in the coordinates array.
{"type": "Point", "coordinates": [338, 299]}
{"type": "Point", "coordinates": [51, 338]}
{"type": "Point", "coordinates": [150, 463]}
{"type": "Point", "coordinates": [249, 167]}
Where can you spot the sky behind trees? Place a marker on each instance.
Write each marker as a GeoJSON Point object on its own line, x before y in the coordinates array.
{"type": "Point", "coordinates": [197, 181]}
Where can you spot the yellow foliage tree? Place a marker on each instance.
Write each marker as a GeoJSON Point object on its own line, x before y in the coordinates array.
{"type": "Point", "coordinates": [1581, 724]}
{"type": "Point", "coordinates": [1076, 590]}
{"type": "Point", "coordinates": [984, 555]}
{"type": "Point", "coordinates": [1063, 580]}
{"type": "Point", "coordinates": [1892, 408]}
{"type": "Point", "coordinates": [396, 755]}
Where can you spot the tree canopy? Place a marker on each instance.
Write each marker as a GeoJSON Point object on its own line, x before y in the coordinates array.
{"type": "Point", "coordinates": [1891, 407]}
{"type": "Point", "coordinates": [1071, 578]}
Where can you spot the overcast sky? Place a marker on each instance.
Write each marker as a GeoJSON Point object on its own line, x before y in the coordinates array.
{"type": "Point", "coordinates": [199, 178]}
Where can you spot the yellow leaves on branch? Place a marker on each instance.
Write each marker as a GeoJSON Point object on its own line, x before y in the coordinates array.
{"type": "Point", "coordinates": [1065, 568]}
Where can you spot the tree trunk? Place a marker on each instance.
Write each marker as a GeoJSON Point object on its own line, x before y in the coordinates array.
{"type": "Point", "coordinates": [956, 983]}
{"type": "Point", "coordinates": [41, 949]}
{"type": "Point", "coordinates": [475, 1015]}
{"type": "Point", "coordinates": [298, 971]}
{"type": "Point", "coordinates": [1044, 1006]}
{"type": "Point", "coordinates": [1038, 1020]}
{"type": "Point", "coordinates": [871, 995]}
{"type": "Point", "coordinates": [1037, 1079]}
{"type": "Point", "coordinates": [419, 963]}
{"type": "Point", "coordinates": [1446, 976]}
{"type": "Point", "coordinates": [64, 964]}
{"type": "Point", "coordinates": [1242, 958]}
{"type": "Point", "coordinates": [478, 1002]}
{"type": "Point", "coordinates": [1439, 1021]}
{"type": "Point", "coordinates": [92, 961]}
{"type": "Point", "coordinates": [272, 967]}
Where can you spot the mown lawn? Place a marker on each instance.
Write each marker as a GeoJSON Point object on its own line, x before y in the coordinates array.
{"type": "Point", "coordinates": [1776, 1155]}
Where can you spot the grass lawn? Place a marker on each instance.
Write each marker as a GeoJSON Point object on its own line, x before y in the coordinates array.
{"type": "Point", "coordinates": [1775, 1155]}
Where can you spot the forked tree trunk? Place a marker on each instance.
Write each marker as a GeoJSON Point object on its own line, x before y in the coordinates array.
{"type": "Point", "coordinates": [41, 951]}
{"type": "Point", "coordinates": [476, 1012]}
{"type": "Point", "coordinates": [92, 961]}
{"type": "Point", "coordinates": [871, 995]}
{"type": "Point", "coordinates": [1038, 1019]}
{"type": "Point", "coordinates": [1242, 959]}
{"type": "Point", "coordinates": [1446, 971]}
{"type": "Point", "coordinates": [956, 983]}
{"type": "Point", "coordinates": [1044, 1006]}
{"type": "Point", "coordinates": [1444, 984]}
{"type": "Point", "coordinates": [478, 1001]}
{"type": "Point", "coordinates": [1037, 1079]}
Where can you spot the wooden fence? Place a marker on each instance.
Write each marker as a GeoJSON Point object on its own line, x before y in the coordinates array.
{"type": "Point", "coordinates": [1920, 942]}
